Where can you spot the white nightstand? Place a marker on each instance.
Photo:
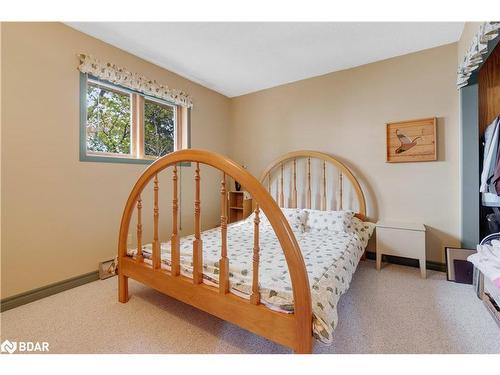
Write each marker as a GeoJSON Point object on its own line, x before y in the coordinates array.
{"type": "Point", "coordinates": [403, 240]}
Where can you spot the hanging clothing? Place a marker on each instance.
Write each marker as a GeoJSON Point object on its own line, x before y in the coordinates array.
{"type": "Point", "coordinates": [495, 180]}
{"type": "Point", "coordinates": [490, 154]}
{"type": "Point", "coordinates": [491, 165]}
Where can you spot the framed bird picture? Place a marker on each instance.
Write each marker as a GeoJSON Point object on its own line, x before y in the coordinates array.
{"type": "Point", "coordinates": [410, 141]}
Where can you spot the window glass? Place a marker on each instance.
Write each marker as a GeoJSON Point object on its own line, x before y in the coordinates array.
{"type": "Point", "coordinates": [159, 128]}
{"type": "Point", "coordinates": [108, 120]}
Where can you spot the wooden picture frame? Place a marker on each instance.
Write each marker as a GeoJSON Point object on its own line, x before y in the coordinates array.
{"type": "Point", "coordinates": [455, 253]}
{"type": "Point", "coordinates": [411, 141]}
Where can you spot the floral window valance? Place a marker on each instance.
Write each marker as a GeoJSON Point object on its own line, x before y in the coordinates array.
{"type": "Point", "coordinates": [474, 56]}
{"type": "Point", "coordinates": [120, 76]}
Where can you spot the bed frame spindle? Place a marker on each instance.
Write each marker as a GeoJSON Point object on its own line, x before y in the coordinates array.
{"type": "Point", "coordinates": [282, 195]}
{"type": "Point", "coordinates": [309, 183]}
{"type": "Point", "coordinates": [323, 201]}
{"type": "Point", "coordinates": [139, 257]}
{"type": "Point", "coordinates": [294, 203]}
{"type": "Point", "coordinates": [341, 198]}
{"type": "Point", "coordinates": [174, 240]}
{"type": "Point", "coordinates": [224, 261]}
{"type": "Point", "coordinates": [197, 243]}
{"type": "Point", "coordinates": [276, 198]}
{"type": "Point", "coordinates": [255, 296]}
{"type": "Point", "coordinates": [156, 242]}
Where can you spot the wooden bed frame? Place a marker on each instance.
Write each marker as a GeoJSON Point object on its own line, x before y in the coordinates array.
{"type": "Point", "coordinates": [291, 330]}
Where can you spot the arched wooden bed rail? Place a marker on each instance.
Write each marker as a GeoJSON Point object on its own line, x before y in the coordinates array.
{"type": "Point", "coordinates": [277, 166]}
{"type": "Point", "coordinates": [292, 330]}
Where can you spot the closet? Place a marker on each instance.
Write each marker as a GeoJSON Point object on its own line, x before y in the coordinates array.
{"type": "Point", "coordinates": [488, 81]}
{"type": "Point", "coordinates": [480, 108]}
{"type": "Point", "coordinates": [478, 79]}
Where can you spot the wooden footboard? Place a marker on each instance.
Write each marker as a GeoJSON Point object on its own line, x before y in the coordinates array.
{"type": "Point", "coordinates": [292, 330]}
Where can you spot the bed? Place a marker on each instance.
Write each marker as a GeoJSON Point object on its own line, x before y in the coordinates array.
{"type": "Point", "coordinates": [278, 273]}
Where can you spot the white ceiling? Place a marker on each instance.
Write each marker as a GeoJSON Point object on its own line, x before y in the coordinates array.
{"type": "Point", "coordinates": [240, 58]}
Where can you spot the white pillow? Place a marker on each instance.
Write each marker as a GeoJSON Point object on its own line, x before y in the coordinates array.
{"type": "Point", "coordinates": [340, 221]}
{"type": "Point", "coordinates": [363, 229]}
{"type": "Point", "coordinates": [296, 217]}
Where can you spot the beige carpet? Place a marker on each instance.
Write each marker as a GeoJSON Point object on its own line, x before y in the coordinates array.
{"type": "Point", "coordinates": [394, 311]}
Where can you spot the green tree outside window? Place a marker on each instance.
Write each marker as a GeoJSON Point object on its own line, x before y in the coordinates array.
{"type": "Point", "coordinates": [159, 128]}
{"type": "Point", "coordinates": [108, 120]}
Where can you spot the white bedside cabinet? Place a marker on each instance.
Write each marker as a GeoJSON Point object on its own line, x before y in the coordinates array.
{"type": "Point", "coordinates": [402, 240]}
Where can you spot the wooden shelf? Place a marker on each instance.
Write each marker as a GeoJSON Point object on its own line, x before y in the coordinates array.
{"type": "Point", "coordinates": [238, 207]}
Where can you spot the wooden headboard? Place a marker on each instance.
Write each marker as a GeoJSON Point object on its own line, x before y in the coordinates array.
{"type": "Point", "coordinates": [313, 179]}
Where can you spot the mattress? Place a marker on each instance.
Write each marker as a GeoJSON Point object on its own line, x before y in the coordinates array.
{"type": "Point", "coordinates": [331, 258]}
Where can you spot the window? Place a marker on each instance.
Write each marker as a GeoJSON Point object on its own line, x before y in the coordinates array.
{"type": "Point", "coordinates": [120, 125]}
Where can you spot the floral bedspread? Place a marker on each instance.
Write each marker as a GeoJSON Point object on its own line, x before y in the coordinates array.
{"type": "Point", "coordinates": [331, 259]}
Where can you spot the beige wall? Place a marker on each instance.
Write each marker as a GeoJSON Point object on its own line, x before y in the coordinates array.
{"type": "Point", "coordinates": [60, 217]}
{"type": "Point", "coordinates": [344, 113]}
